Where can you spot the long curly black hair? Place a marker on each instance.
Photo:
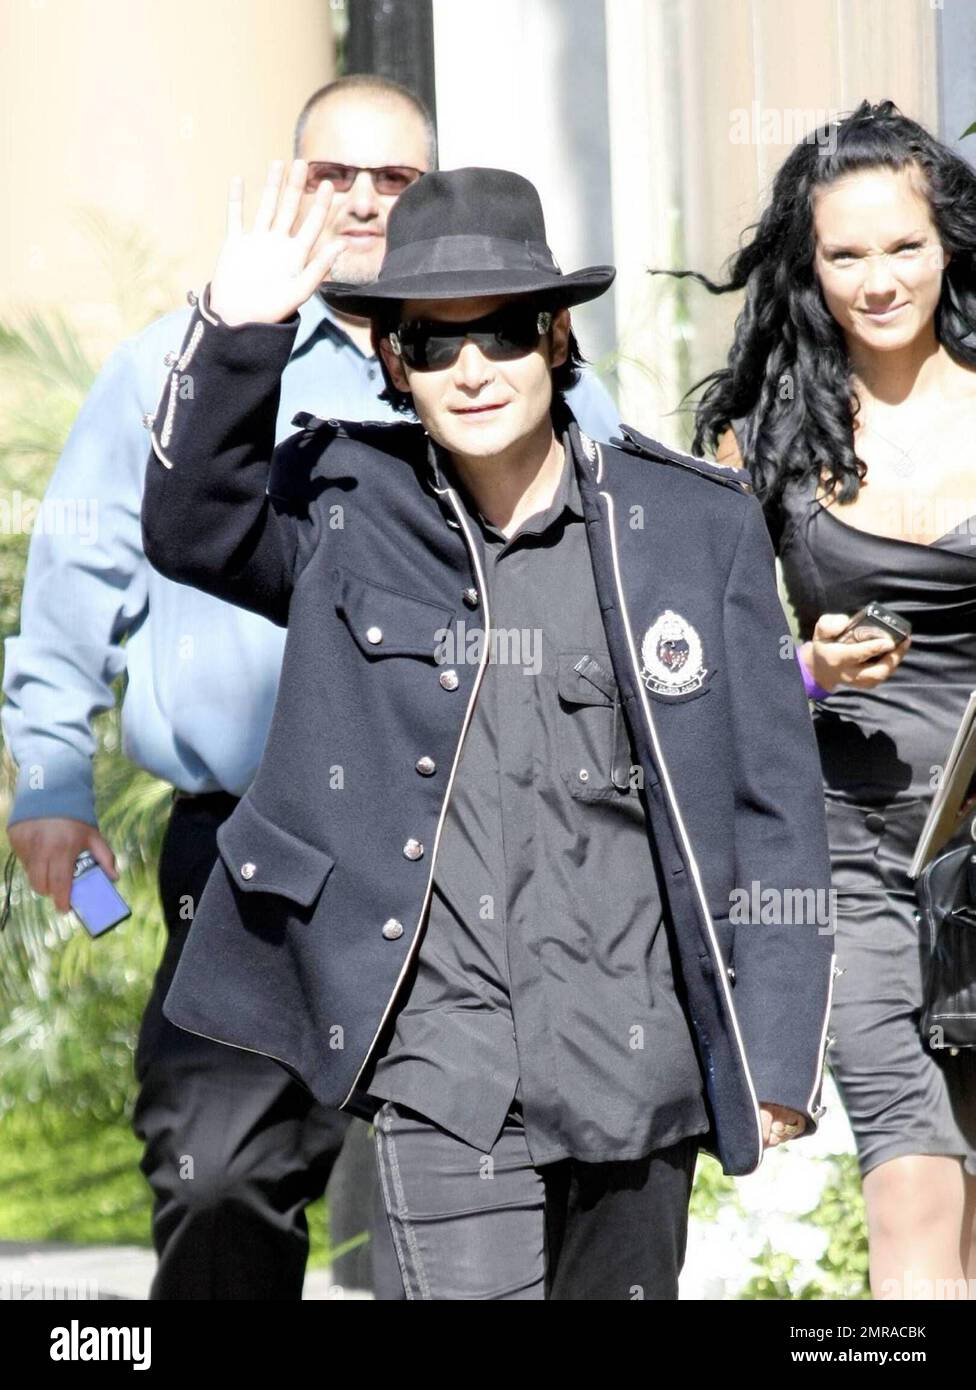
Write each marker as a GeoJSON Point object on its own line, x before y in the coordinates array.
{"type": "Point", "coordinates": [788, 371]}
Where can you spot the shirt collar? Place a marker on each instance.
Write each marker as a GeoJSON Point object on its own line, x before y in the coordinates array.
{"type": "Point", "coordinates": [315, 317]}
{"type": "Point", "coordinates": [566, 496]}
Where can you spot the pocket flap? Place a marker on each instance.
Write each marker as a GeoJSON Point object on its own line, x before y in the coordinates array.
{"type": "Point", "coordinates": [385, 622]}
{"type": "Point", "coordinates": [261, 857]}
{"type": "Point", "coordinates": [586, 679]}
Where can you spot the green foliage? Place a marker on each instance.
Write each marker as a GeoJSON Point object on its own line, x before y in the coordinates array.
{"type": "Point", "coordinates": [841, 1213]}
{"type": "Point", "coordinates": [70, 1178]}
{"type": "Point", "coordinates": [772, 1280]}
{"type": "Point", "coordinates": [70, 1006]}
{"type": "Point", "coordinates": [141, 282]}
{"type": "Point", "coordinates": [712, 1189]}
{"type": "Point", "coordinates": [844, 1262]}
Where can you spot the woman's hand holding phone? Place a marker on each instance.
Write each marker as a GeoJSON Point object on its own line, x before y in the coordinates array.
{"type": "Point", "coordinates": [863, 665]}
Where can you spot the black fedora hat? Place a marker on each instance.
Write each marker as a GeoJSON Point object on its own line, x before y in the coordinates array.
{"type": "Point", "coordinates": [463, 234]}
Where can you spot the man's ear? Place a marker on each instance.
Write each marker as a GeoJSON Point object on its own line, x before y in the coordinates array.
{"type": "Point", "coordinates": [562, 326]}
{"type": "Point", "coordinates": [394, 365]}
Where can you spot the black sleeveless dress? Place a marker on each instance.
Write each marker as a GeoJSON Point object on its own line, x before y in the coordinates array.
{"type": "Point", "coordinates": [881, 751]}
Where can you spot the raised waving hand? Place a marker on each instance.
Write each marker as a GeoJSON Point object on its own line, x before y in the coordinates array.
{"type": "Point", "coordinates": [263, 275]}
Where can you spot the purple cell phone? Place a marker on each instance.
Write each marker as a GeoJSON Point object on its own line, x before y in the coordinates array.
{"type": "Point", "coordinates": [94, 897]}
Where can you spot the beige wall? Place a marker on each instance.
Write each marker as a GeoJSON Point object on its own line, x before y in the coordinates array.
{"type": "Point", "coordinates": [140, 109]}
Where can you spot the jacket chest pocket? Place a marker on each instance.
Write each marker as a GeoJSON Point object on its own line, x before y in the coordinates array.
{"type": "Point", "coordinates": [385, 622]}
{"type": "Point", "coordinates": [596, 761]}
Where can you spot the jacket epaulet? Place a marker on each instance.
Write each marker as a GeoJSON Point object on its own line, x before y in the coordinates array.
{"type": "Point", "coordinates": [379, 432]}
{"type": "Point", "coordinates": [634, 443]}
{"type": "Point", "coordinates": [399, 437]}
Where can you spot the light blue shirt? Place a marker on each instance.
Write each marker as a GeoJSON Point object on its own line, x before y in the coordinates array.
{"type": "Point", "coordinates": [201, 674]}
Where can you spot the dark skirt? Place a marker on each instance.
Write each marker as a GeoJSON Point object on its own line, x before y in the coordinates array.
{"type": "Point", "coordinates": [900, 1097]}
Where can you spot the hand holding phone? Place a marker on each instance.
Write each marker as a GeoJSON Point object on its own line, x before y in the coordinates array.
{"type": "Point", "coordinates": [862, 650]}
{"type": "Point", "coordinates": [873, 620]}
{"type": "Point", "coordinates": [96, 901]}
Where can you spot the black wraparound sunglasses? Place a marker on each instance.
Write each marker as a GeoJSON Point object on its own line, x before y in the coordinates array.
{"type": "Point", "coordinates": [514, 331]}
{"type": "Point", "coordinates": [388, 179]}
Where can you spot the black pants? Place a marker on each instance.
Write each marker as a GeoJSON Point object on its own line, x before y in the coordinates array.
{"type": "Point", "coordinates": [235, 1148]}
{"type": "Point", "coordinates": [468, 1225]}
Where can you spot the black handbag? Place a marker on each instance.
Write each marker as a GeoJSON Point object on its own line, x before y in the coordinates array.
{"type": "Point", "coordinates": [946, 895]}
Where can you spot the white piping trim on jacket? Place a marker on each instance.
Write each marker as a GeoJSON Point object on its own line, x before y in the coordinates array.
{"type": "Point", "coordinates": [157, 450]}
{"type": "Point", "coordinates": [821, 1055]}
{"type": "Point", "coordinates": [166, 433]}
{"type": "Point", "coordinates": [257, 1052]}
{"type": "Point", "coordinates": [414, 945]}
{"type": "Point", "coordinates": [191, 346]}
{"type": "Point", "coordinates": [706, 915]}
{"type": "Point", "coordinates": [207, 314]}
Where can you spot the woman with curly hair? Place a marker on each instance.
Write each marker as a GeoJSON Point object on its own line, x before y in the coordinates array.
{"type": "Point", "coordinates": [850, 396]}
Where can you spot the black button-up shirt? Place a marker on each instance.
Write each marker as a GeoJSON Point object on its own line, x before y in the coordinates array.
{"type": "Point", "coordinates": [545, 972]}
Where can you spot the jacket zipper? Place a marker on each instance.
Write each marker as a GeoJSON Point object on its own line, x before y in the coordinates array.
{"type": "Point", "coordinates": [483, 591]}
{"type": "Point", "coordinates": [672, 799]}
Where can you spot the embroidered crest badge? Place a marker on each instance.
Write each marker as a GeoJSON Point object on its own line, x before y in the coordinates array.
{"type": "Point", "coordinates": [672, 655]}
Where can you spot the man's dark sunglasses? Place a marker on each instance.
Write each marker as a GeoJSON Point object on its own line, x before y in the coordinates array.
{"type": "Point", "coordinates": [389, 179]}
{"type": "Point", "coordinates": [509, 333]}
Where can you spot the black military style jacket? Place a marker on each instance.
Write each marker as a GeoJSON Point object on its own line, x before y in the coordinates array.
{"type": "Point", "coordinates": [352, 538]}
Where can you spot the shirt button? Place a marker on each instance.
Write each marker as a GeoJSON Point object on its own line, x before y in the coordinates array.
{"type": "Point", "coordinates": [471, 597]}
{"type": "Point", "coordinates": [170, 359]}
{"type": "Point", "coordinates": [392, 929]}
{"type": "Point", "coordinates": [874, 822]}
{"type": "Point", "coordinates": [248, 870]}
{"type": "Point", "coordinates": [148, 421]}
{"type": "Point", "coordinates": [192, 298]}
{"type": "Point", "coordinates": [449, 680]}
{"type": "Point", "coordinates": [413, 849]}
{"type": "Point", "coordinates": [426, 766]}
{"type": "Point", "coordinates": [584, 776]}
{"type": "Point", "coordinates": [374, 635]}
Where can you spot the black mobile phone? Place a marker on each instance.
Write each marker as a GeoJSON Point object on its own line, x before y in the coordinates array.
{"type": "Point", "coordinates": [871, 620]}
{"type": "Point", "coordinates": [95, 899]}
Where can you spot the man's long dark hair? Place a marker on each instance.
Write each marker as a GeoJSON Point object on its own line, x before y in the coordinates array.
{"type": "Point", "coordinates": [788, 371]}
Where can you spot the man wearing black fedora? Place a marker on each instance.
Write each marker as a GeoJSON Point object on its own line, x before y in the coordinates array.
{"type": "Point", "coordinates": [535, 742]}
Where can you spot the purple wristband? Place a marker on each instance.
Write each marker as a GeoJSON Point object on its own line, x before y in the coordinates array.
{"type": "Point", "coordinates": [814, 691]}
